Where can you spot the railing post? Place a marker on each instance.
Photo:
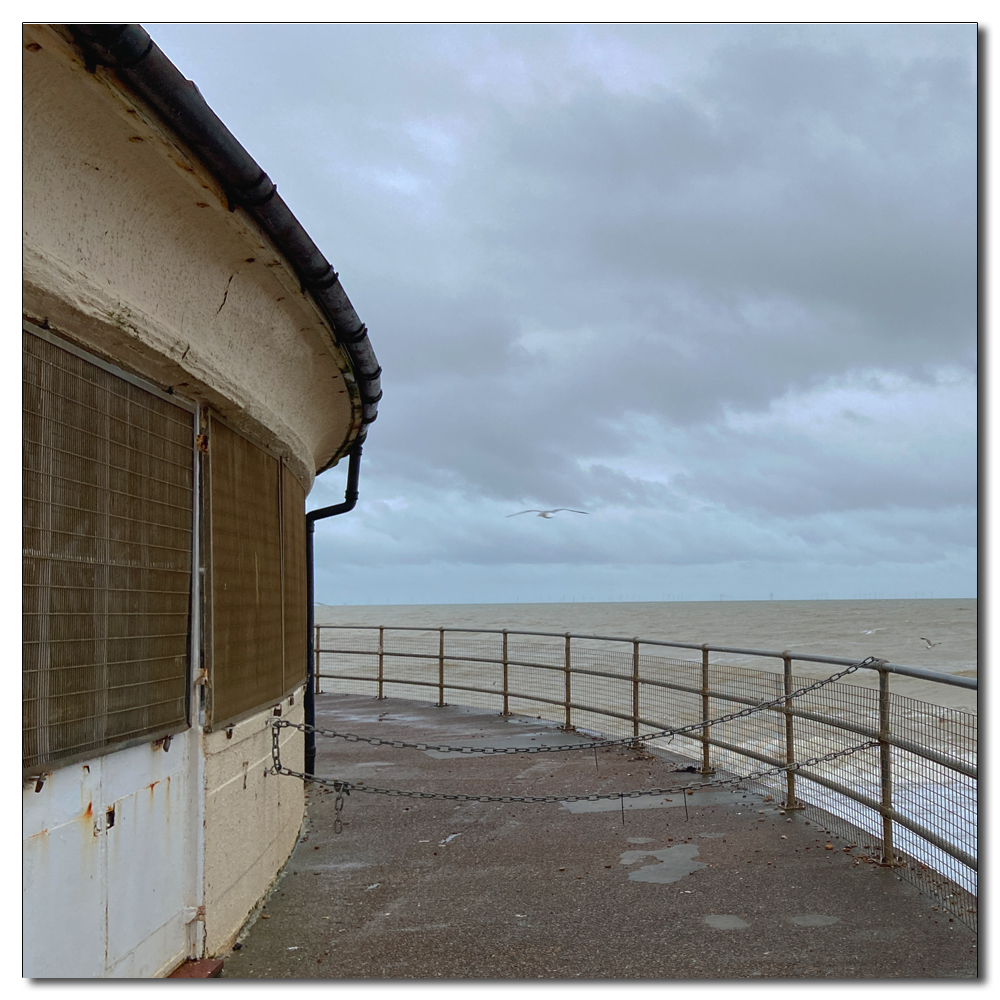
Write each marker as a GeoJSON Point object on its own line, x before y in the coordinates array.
{"type": "Point", "coordinates": [885, 767]}
{"type": "Point", "coordinates": [566, 670]}
{"type": "Point", "coordinates": [316, 665]}
{"type": "Point", "coordinates": [706, 763]}
{"type": "Point", "coordinates": [635, 687]}
{"type": "Point", "coordinates": [506, 686]}
{"type": "Point", "coordinates": [381, 661]}
{"type": "Point", "coordinates": [440, 703]}
{"type": "Point", "coordinates": [790, 801]}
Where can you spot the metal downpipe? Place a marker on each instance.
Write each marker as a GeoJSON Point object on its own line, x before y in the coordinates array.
{"type": "Point", "coordinates": [350, 499]}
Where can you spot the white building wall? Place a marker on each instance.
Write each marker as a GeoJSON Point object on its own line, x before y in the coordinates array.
{"type": "Point", "coordinates": [252, 818]}
{"type": "Point", "coordinates": [105, 898]}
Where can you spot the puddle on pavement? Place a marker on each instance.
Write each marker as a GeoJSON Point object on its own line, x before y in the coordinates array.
{"type": "Point", "coordinates": [674, 863]}
{"type": "Point", "coordinates": [725, 922]}
{"type": "Point", "coordinates": [813, 920]}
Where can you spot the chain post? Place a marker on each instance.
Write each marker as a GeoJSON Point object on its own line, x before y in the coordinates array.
{"type": "Point", "coordinates": [381, 661]}
{"type": "Point", "coordinates": [566, 670]}
{"type": "Point", "coordinates": [506, 686]}
{"type": "Point", "coordinates": [706, 763]}
{"type": "Point", "coordinates": [316, 665]}
{"type": "Point", "coordinates": [790, 801]}
{"type": "Point", "coordinates": [885, 767]}
{"type": "Point", "coordinates": [441, 702]}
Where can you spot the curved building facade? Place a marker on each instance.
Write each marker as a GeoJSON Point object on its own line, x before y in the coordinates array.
{"type": "Point", "coordinates": [188, 369]}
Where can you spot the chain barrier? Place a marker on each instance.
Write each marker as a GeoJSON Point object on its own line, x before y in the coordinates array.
{"type": "Point", "coordinates": [343, 788]}
{"type": "Point", "coordinates": [595, 744]}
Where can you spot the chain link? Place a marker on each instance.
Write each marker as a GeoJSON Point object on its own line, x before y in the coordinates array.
{"type": "Point", "coordinates": [338, 808]}
{"type": "Point", "coordinates": [594, 745]}
{"type": "Point", "coordinates": [341, 788]}
{"type": "Point", "coordinates": [346, 787]}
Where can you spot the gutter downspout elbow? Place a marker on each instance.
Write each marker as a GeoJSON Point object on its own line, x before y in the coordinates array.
{"type": "Point", "coordinates": [350, 501]}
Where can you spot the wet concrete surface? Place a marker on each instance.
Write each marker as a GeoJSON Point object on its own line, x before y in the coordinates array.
{"type": "Point", "coordinates": [728, 888]}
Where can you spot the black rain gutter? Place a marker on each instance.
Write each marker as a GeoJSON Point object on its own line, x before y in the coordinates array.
{"type": "Point", "coordinates": [139, 63]}
{"type": "Point", "coordinates": [350, 499]}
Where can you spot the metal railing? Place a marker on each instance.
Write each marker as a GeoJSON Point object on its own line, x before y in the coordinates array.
{"type": "Point", "coordinates": [912, 798]}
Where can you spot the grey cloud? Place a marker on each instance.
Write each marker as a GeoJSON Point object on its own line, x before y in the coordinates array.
{"type": "Point", "coordinates": [557, 234]}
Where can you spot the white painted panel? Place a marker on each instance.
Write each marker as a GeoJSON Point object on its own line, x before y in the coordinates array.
{"type": "Point", "coordinates": [157, 955]}
{"type": "Point", "coordinates": [63, 933]}
{"type": "Point", "coordinates": [109, 900]}
{"type": "Point", "coordinates": [147, 866]}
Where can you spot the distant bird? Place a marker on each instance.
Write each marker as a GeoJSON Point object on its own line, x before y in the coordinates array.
{"type": "Point", "coordinates": [929, 643]}
{"type": "Point", "coordinates": [549, 513]}
{"type": "Point", "coordinates": [872, 631]}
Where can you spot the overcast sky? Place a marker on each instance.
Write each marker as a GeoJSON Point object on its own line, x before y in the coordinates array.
{"type": "Point", "coordinates": [714, 284]}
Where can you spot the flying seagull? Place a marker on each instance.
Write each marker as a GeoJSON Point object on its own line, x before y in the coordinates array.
{"type": "Point", "coordinates": [549, 513]}
{"type": "Point", "coordinates": [929, 643]}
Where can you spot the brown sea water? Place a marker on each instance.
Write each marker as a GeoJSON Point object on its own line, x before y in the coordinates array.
{"type": "Point", "coordinates": [890, 629]}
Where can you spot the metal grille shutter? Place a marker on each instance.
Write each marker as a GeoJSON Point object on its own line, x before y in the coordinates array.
{"type": "Point", "coordinates": [107, 526]}
{"type": "Point", "coordinates": [247, 605]}
{"type": "Point", "coordinates": [293, 543]}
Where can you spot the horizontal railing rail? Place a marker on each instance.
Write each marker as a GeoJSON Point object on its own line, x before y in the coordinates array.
{"type": "Point", "coordinates": [920, 673]}
{"type": "Point", "coordinates": [921, 777]}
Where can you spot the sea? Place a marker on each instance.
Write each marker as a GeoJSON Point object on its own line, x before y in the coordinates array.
{"type": "Point", "coordinates": [936, 634]}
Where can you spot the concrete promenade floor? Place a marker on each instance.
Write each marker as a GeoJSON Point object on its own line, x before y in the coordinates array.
{"type": "Point", "coordinates": [441, 889]}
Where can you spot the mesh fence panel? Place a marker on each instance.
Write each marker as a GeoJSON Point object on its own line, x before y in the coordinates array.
{"type": "Point", "coordinates": [465, 670]}
{"type": "Point", "coordinates": [350, 656]}
{"type": "Point", "coordinates": [537, 677]}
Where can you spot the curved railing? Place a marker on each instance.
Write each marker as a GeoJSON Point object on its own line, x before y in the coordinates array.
{"type": "Point", "coordinates": [912, 797]}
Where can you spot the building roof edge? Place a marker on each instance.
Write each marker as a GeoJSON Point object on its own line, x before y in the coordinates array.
{"type": "Point", "coordinates": [138, 62]}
